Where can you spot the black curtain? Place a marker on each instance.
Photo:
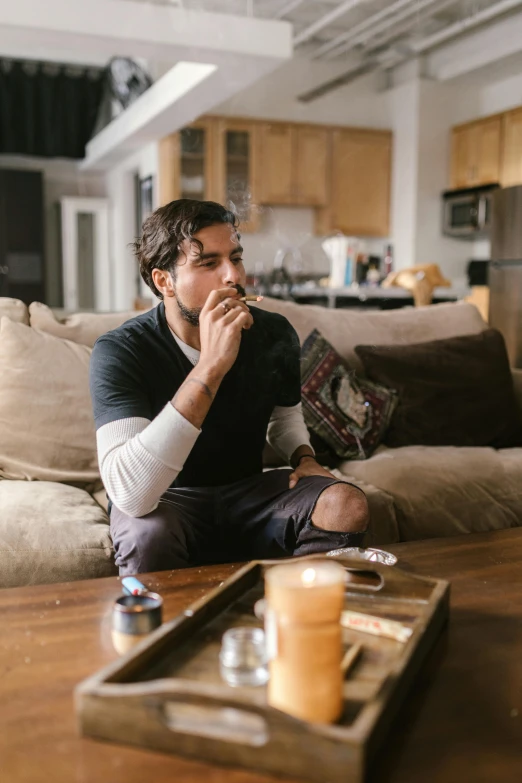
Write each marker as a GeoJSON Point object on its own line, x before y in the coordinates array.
{"type": "Point", "coordinates": [46, 110]}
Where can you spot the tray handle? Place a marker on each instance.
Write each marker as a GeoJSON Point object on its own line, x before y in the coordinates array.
{"type": "Point", "coordinates": [191, 708]}
{"type": "Point", "coordinates": [212, 720]}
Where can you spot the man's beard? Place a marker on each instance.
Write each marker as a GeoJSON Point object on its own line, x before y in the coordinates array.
{"type": "Point", "coordinates": [191, 315]}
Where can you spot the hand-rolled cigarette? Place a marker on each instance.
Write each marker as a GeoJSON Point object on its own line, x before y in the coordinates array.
{"type": "Point", "coordinates": [251, 298]}
{"type": "Point", "coordinates": [350, 657]}
{"type": "Point", "coordinates": [377, 626]}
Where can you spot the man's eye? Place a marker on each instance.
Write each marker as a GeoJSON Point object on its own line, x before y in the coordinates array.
{"type": "Point", "coordinates": [209, 263]}
{"type": "Point", "coordinates": [237, 259]}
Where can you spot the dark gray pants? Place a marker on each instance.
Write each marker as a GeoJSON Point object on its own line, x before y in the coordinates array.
{"type": "Point", "coordinates": [257, 518]}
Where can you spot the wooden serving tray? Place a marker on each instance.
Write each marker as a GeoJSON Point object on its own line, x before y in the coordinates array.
{"type": "Point", "coordinates": [167, 693]}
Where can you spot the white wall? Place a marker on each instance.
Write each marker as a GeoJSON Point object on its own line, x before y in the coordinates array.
{"type": "Point", "coordinates": [120, 189]}
{"type": "Point", "coordinates": [61, 178]}
{"type": "Point", "coordinates": [436, 106]}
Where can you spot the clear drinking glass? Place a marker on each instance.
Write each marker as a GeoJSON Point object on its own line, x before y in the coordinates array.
{"type": "Point", "coordinates": [243, 657]}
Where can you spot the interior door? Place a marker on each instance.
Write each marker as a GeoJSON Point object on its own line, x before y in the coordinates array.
{"type": "Point", "coordinates": [22, 260]}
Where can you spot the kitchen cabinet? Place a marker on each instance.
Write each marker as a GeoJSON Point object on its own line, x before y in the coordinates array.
{"type": "Point", "coordinates": [361, 178]}
{"type": "Point", "coordinates": [311, 163]}
{"type": "Point", "coordinates": [344, 174]}
{"type": "Point", "coordinates": [237, 169]}
{"type": "Point", "coordinates": [276, 150]}
{"type": "Point", "coordinates": [295, 164]}
{"type": "Point", "coordinates": [476, 153]}
{"type": "Point", "coordinates": [187, 163]}
{"type": "Point", "coordinates": [511, 166]}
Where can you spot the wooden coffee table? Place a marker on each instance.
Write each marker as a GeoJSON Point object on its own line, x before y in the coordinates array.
{"type": "Point", "coordinates": [461, 724]}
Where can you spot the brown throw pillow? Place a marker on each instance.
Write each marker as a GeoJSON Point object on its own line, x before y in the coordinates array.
{"type": "Point", "coordinates": [346, 413]}
{"type": "Point", "coordinates": [453, 392]}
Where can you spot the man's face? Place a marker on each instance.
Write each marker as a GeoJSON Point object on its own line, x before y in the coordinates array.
{"type": "Point", "coordinates": [198, 272]}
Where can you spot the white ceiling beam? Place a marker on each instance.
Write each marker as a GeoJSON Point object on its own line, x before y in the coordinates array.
{"type": "Point", "coordinates": [364, 25]}
{"type": "Point", "coordinates": [327, 19]}
{"type": "Point", "coordinates": [409, 11]}
{"type": "Point", "coordinates": [495, 42]}
{"type": "Point", "coordinates": [454, 30]}
{"type": "Point", "coordinates": [104, 28]}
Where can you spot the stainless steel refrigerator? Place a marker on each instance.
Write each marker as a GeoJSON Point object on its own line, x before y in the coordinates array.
{"type": "Point", "coordinates": [505, 269]}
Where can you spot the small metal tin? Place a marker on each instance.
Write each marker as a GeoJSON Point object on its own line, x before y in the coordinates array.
{"type": "Point", "coordinates": [137, 614]}
{"type": "Point", "coordinates": [371, 555]}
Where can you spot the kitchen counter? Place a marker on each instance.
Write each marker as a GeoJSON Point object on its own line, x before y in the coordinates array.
{"type": "Point", "coordinates": [370, 296]}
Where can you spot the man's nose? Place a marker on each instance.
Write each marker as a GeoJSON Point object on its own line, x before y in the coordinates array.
{"type": "Point", "coordinates": [231, 273]}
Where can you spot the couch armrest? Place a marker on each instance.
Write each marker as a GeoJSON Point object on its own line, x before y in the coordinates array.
{"type": "Point", "coordinates": [517, 385]}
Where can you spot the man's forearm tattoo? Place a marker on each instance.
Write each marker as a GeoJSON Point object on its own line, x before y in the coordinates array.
{"type": "Point", "coordinates": [200, 384]}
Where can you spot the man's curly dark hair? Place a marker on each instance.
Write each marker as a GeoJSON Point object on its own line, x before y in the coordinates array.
{"type": "Point", "coordinates": [168, 227]}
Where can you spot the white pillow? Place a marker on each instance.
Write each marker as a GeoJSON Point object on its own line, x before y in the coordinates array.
{"type": "Point", "coordinates": [14, 309]}
{"type": "Point", "coordinates": [82, 328]}
{"type": "Point", "coordinates": [46, 417]}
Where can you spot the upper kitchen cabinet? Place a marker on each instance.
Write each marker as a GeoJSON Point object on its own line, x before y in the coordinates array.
{"type": "Point", "coordinates": [344, 174]}
{"type": "Point", "coordinates": [187, 163]}
{"type": "Point", "coordinates": [237, 169]}
{"type": "Point", "coordinates": [511, 167]}
{"type": "Point", "coordinates": [311, 163]}
{"type": "Point", "coordinates": [476, 153]}
{"type": "Point", "coordinates": [277, 152]}
{"type": "Point", "coordinates": [295, 164]}
{"type": "Point", "coordinates": [361, 174]}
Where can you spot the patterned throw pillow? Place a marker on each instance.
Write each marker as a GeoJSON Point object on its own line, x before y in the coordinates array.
{"type": "Point", "coordinates": [349, 414]}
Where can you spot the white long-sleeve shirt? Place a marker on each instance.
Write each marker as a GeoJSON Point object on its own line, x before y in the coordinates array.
{"type": "Point", "coordinates": [139, 459]}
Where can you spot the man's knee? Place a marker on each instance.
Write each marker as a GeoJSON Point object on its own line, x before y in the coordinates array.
{"type": "Point", "coordinates": [342, 508]}
{"type": "Point", "coordinates": [155, 542]}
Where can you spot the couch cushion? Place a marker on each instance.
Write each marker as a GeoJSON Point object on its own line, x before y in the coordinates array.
{"type": "Point", "coordinates": [444, 491]}
{"type": "Point", "coordinates": [453, 392]}
{"type": "Point", "coordinates": [345, 329]}
{"type": "Point", "coordinates": [83, 328]}
{"type": "Point", "coordinates": [46, 417]}
{"type": "Point", "coordinates": [51, 533]}
{"type": "Point", "coordinates": [14, 309]}
{"type": "Point", "coordinates": [383, 528]}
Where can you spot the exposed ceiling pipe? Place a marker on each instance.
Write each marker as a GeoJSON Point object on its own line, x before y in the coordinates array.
{"type": "Point", "coordinates": [325, 20]}
{"type": "Point", "coordinates": [376, 59]}
{"type": "Point", "coordinates": [288, 8]}
{"type": "Point", "coordinates": [458, 28]}
{"type": "Point", "coordinates": [420, 5]}
{"type": "Point", "coordinates": [364, 25]}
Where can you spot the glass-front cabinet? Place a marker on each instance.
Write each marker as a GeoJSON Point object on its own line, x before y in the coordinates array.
{"type": "Point", "coordinates": [237, 174]}
{"type": "Point", "coordinates": [214, 158]}
{"type": "Point", "coordinates": [187, 163]}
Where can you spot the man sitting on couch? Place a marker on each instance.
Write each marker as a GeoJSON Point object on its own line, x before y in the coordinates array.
{"type": "Point", "coordinates": [183, 397]}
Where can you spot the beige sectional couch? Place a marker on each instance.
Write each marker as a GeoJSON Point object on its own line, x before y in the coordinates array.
{"type": "Point", "coordinates": [53, 522]}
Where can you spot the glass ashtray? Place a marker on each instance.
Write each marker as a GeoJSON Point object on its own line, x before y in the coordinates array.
{"type": "Point", "coordinates": [372, 555]}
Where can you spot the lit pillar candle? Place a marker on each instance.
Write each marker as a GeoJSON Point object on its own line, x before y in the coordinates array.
{"type": "Point", "coordinates": [304, 604]}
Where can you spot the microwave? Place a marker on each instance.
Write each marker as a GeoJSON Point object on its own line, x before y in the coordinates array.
{"type": "Point", "coordinates": [467, 212]}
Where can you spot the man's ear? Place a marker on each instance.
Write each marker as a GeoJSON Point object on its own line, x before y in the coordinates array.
{"type": "Point", "coordinates": [163, 282]}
